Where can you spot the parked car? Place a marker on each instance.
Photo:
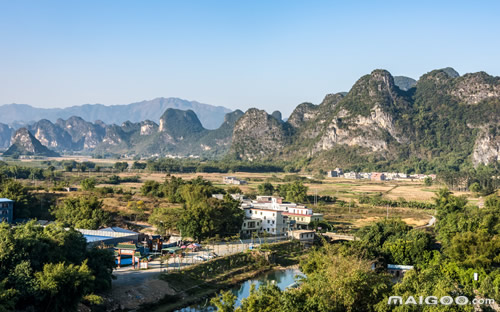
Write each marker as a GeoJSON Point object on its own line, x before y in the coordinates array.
{"type": "Point", "coordinates": [212, 255]}
{"type": "Point", "coordinates": [200, 258]}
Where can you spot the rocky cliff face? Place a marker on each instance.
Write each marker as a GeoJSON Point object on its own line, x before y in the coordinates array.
{"type": "Point", "coordinates": [148, 127]}
{"type": "Point", "coordinates": [51, 135]}
{"type": "Point", "coordinates": [116, 135]}
{"type": "Point", "coordinates": [259, 135]}
{"type": "Point", "coordinates": [179, 123]}
{"type": "Point", "coordinates": [364, 117]}
{"type": "Point", "coordinates": [180, 133]}
{"type": "Point", "coordinates": [474, 88]}
{"type": "Point", "coordinates": [487, 145]}
{"type": "Point", "coordinates": [84, 134]}
{"type": "Point", "coordinates": [439, 117]}
{"type": "Point", "coordinates": [302, 114]}
{"type": "Point", "coordinates": [24, 143]}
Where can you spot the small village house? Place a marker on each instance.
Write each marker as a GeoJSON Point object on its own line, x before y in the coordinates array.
{"type": "Point", "coordinates": [378, 176]}
{"type": "Point", "coordinates": [304, 236]}
{"type": "Point", "coordinates": [233, 180]}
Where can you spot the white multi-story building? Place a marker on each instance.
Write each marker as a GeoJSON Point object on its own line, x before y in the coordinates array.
{"type": "Point", "coordinates": [270, 214]}
{"type": "Point", "coordinates": [264, 220]}
{"type": "Point", "coordinates": [298, 216]}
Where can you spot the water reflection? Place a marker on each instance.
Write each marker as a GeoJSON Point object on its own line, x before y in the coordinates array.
{"type": "Point", "coordinates": [282, 279]}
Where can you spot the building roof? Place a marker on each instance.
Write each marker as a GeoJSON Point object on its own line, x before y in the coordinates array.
{"type": "Point", "coordinates": [297, 214]}
{"type": "Point", "coordinates": [126, 246]}
{"type": "Point", "coordinates": [270, 210]}
{"type": "Point", "coordinates": [6, 200]}
{"type": "Point", "coordinates": [303, 231]}
{"type": "Point", "coordinates": [118, 230]}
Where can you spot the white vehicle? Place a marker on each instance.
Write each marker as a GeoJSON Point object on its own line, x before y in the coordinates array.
{"type": "Point", "coordinates": [200, 258]}
{"type": "Point", "coordinates": [212, 255]}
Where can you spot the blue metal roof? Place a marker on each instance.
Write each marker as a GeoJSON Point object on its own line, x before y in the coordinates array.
{"type": "Point", "coordinates": [6, 200]}
{"type": "Point", "coordinates": [94, 238]}
{"type": "Point", "coordinates": [118, 230]}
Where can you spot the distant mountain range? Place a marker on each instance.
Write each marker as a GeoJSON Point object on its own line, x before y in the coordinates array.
{"type": "Point", "coordinates": [210, 116]}
{"type": "Point", "coordinates": [179, 133]}
{"type": "Point", "coordinates": [443, 118]}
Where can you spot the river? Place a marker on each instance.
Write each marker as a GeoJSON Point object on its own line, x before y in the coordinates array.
{"type": "Point", "coordinates": [282, 278]}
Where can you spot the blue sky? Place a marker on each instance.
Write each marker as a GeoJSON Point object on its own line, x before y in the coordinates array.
{"type": "Point", "coordinates": [240, 54]}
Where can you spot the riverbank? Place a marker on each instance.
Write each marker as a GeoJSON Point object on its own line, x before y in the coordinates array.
{"type": "Point", "coordinates": [203, 281]}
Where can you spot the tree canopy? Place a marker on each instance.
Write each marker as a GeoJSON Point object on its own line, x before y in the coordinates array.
{"type": "Point", "coordinates": [84, 212]}
{"type": "Point", "coordinates": [49, 268]}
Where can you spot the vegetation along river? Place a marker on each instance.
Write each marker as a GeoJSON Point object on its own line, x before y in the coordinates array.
{"type": "Point", "coordinates": [282, 278]}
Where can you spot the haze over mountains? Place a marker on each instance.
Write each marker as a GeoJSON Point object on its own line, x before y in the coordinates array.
{"type": "Point", "coordinates": [442, 117]}
{"type": "Point", "coordinates": [210, 116]}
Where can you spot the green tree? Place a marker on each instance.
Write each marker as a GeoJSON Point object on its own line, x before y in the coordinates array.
{"type": "Point", "coordinates": [7, 297]}
{"type": "Point", "coordinates": [49, 268]}
{"type": "Point", "coordinates": [88, 184]}
{"type": "Point", "coordinates": [428, 181]}
{"type": "Point", "coordinates": [62, 286]}
{"type": "Point", "coordinates": [431, 279]}
{"type": "Point", "coordinates": [150, 188]}
{"type": "Point", "coordinates": [208, 217]}
{"type": "Point", "coordinates": [165, 218]}
{"type": "Point", "coordinates": [83, 212]}
{"type": "Point", "coordinates": [139, 165]}
{"type": "Point", "coordinates": [137, 208]}
{"type": "Point", "coordinates": [224, 302]}
{"type": "Point", "coordinates": [81, 166]}
{"type": "Point", "coordinates": [234, 190]}
{"type": "Point", "coordinates": [333, 283]}
{"type": "Point", "coordinates": [101, 262]}
{"type": "Point", "coordinates": [17, 192]}
{"type": "Point", "coordinates": [266, 298]}
{"type": "Point", "coordinates": [266, 189]}
{"type": "Point", "coordinates": [475, 187]}
{"type": "Point", "coordinates": [114, 179]}
{"type": "Point", "coordinates": [295, 191]}
{"type": "Point", "coordinates": [121, 166]}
